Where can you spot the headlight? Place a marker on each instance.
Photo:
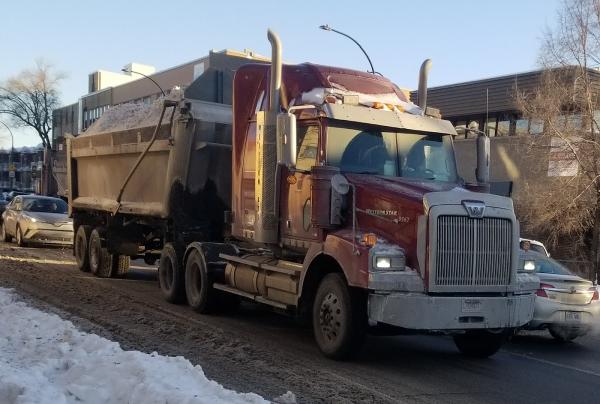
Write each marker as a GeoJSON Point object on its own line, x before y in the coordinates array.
{"type": "Point", "coordinates": [529, 266]}
{"type": "Point", "coordinates": [383, 262]}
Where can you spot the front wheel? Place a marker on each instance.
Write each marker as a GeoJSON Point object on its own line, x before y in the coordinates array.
{"type": "Point", "coordinates": [339, 318]}
{"type": "Point", "coordinates": [19, 238]}
{"type": "Point", "coordinates": [479, 344]}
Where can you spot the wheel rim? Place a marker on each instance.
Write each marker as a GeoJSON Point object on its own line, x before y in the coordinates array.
{"type": "Point", "coordinates": [169, 274]}
{"type": "Point", "coordinates": [195, 282]}
{"type": "Point", "coordinates": [330, 317]}
{"type": "Point", "coordinates": [94, 254]}
{"type": "Point", "coordinates": [80, 249]}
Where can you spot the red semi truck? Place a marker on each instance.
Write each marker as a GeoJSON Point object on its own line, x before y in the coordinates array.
{"type": "Point", "coordinates": [321, 191]}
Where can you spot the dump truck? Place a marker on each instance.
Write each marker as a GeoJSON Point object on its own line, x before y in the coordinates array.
{"type": "Point", "coordinates": [322, 192]}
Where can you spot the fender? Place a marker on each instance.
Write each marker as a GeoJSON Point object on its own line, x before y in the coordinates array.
{"type": "Point", "coordinates": [338, 245]}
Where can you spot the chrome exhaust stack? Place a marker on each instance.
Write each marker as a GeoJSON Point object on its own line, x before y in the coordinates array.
{"type": "Point", "coordinates": [423, 75]}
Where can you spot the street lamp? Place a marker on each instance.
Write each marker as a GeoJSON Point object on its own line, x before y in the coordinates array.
{"type": "Point", "coordinates": [10, 155]}
{"type": "Point", "coordinates": [328, 28]}
{"type": "Point", "coordinates": [148, 77]}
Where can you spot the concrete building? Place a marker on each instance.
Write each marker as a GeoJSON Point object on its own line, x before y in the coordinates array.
{"type": "Point", "coordinates": [107, 89]}
{"type": "Point", "coordinates": [22, 170]}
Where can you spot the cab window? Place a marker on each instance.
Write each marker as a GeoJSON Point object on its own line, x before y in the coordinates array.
{"type": "Point", "coordinates": [308, 147]}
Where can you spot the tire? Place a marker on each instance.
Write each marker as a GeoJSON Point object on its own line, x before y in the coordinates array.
{"type": "Point", "coordinates": [19, 237]}
{"type": "Point", "coordinates": [339, 317]}
{"type": "Point", "coordinates": [101, 261]}
{"type": "Point", "coordinates": [563, 334]}
{"type": "Point", "coordinates": [171, 276]}
{"type": "Point", "coordinates": [198, 286]}
{"type": "Point", "coordinates": [479, 344]}
{"type": "Point", "coordinates": [4, 235]}
{"type": "Point", "coordinates": [121, 265]}
{"type": "Point", "coordinates": [81, 248]}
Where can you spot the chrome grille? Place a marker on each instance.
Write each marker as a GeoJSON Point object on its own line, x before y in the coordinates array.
{"type": "Point", "coordinates": [473, 252]}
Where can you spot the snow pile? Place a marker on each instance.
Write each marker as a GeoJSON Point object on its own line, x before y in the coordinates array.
{"type": "Point", "coordinates": [133, 115]}
{"type": "Point", "coordinates": [387, 101]}
{"type": "Point", "coordinates": [44, 359]}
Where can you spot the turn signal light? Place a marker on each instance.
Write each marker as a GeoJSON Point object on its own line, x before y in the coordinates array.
{"type": "Point", "coordinates": [369, 239]}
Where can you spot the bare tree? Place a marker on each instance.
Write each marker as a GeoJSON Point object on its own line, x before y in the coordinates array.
{"type": "Point", "coordinates": [29, 98]}
{"type": "Point", "coordinates": [566, 103]}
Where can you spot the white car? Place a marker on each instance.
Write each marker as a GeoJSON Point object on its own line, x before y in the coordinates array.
{"type": "Point", "coordinates": [535, 245]}
{"type": "Point", "coordinates": [566, 304]}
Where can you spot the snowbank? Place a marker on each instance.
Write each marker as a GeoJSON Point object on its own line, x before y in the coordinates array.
{"type": "Point", "coordinates": [44, 359]}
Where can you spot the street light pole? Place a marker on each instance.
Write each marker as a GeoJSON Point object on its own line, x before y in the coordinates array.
{"type": "Point", "coordinates": [10, 155]}
{"type": "Point", "coordinates": [328, 28]}
{"type": "Point", "coordinates": [148, 77]}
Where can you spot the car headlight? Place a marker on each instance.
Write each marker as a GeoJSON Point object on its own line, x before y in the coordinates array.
{"type": "Point", "coordinates": [529, 266]}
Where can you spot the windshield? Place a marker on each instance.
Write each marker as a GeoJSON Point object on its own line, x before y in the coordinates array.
{"type": "Point", "coordinates": [46, 205]}
{"type": "Point", "coordinates": [391, 153]}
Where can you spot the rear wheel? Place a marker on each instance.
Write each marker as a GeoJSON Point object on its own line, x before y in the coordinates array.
{"type": "Point", "coordinates": [4, 235]}
{"type": "Point", "coordinates": [564, 334]}
{"type": "Point", "coordinates": [198, 286]}
{"type": "Point", "coordinates": [120, 265]}
{"type": "Point", "coordinates": [81, 246]}
{"type": "Point", "coordinates": [171, 277]}
{"type": "Point", "coordinates": [479, 344]}
{"type": "Point", "coordinates": [19, 237]}
{"type": "Point", "coordinates": [339, 318]}
{"type": "Point", "coordinates": [100, 260]}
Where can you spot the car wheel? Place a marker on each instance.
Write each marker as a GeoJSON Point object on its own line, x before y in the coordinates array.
{"type": "Point", "coordinates": [563, 334]}
{"type": "Point", "coordinates": [101, 261]}
{"type": "Point", "coordinates": [19, 237]}
{"type": "Point", "coordinates": [4, 235]}
{"type": "Point", "coordinates": [171, 275]}
{"type": "Point", "coordinates": [198, 285]}
{"type": "Point", "coordinates": [339, 318]}
{"type": "Point", "coordinates": [479, 344]}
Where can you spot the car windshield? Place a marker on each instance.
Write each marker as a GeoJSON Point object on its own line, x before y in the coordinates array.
{"type": "Point", "coordinates": [544, 265]}
{"type": "Point", "coordinates": [537, 248]}
{"type": "Point", "coordinates": [46, 205]}
{"type": "Point", "coordinates": [391, 153]}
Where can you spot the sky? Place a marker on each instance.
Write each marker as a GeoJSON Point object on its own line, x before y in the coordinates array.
{"type": "Point", "coordinates": [466, 40]}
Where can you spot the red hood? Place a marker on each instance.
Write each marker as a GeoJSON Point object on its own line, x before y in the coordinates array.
{"type": "Point", "coordinates": [393, 206]}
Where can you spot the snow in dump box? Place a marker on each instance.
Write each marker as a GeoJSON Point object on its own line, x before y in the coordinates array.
{"type": "Point", "coordinates": [133, 115]}
{"type": "Point", "coordinates": [44, 359]}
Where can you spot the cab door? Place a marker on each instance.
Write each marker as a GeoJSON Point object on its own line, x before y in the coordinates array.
{"type": "Point", "coordinates": [296, 228]}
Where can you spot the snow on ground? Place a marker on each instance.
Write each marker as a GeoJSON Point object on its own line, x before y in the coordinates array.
{"type": "Point", "coordinates": [44, 359]}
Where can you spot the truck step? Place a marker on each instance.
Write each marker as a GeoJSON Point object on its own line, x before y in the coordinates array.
{"type": "Point", "coordinates": [250, 296]}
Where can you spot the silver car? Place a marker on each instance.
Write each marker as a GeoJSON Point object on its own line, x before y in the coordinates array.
{"type": "Point", "coordinates": [566, 304]}
{"type": "Point", "coordinates": [33, 219]}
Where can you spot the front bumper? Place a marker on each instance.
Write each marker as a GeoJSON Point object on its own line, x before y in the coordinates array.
{"type": "Point", "coordinates": [46, 235]}
{"type": "Point", "coordinates": [548, 313]}
{"type": "Point", "coordinates": [419, 311]}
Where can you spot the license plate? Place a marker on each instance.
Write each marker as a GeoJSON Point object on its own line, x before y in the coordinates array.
{"type": "Point", "coordinates": [471, 305]}
{"type": "Point", "coordinates": [572, 316]}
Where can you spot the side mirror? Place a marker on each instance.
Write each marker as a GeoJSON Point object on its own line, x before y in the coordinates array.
{"type": "Point", "coordinates": [286, 139]}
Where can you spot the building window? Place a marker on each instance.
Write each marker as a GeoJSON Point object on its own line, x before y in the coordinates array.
{"type": "Point", "coordinates": [521, 127]}
{"type": "Point", "coordinates": [503, 127]}
{"type": "Point", "coordinates": [460, 127]}
{"type": "Point", "coordinates": [491, 126]}
{"type": "Point", "coordinates": [536, 127]}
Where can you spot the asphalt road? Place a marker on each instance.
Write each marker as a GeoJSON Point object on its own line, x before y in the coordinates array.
{"type": "Point", "coordinates": [267, 353]}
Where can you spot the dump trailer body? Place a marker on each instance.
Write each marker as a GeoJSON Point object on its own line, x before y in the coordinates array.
{"type": "Point", "coordinates": [187, 156]}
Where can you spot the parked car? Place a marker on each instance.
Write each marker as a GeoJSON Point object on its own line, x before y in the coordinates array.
{"type": "Point", "coordinates": [32, 219]}
{"type": "Point", "coordinates": [535, 245]}
{"type": "Point", "coordinates": [11, 195]}
{"type": "Point", "coordinates": [566, 304]}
